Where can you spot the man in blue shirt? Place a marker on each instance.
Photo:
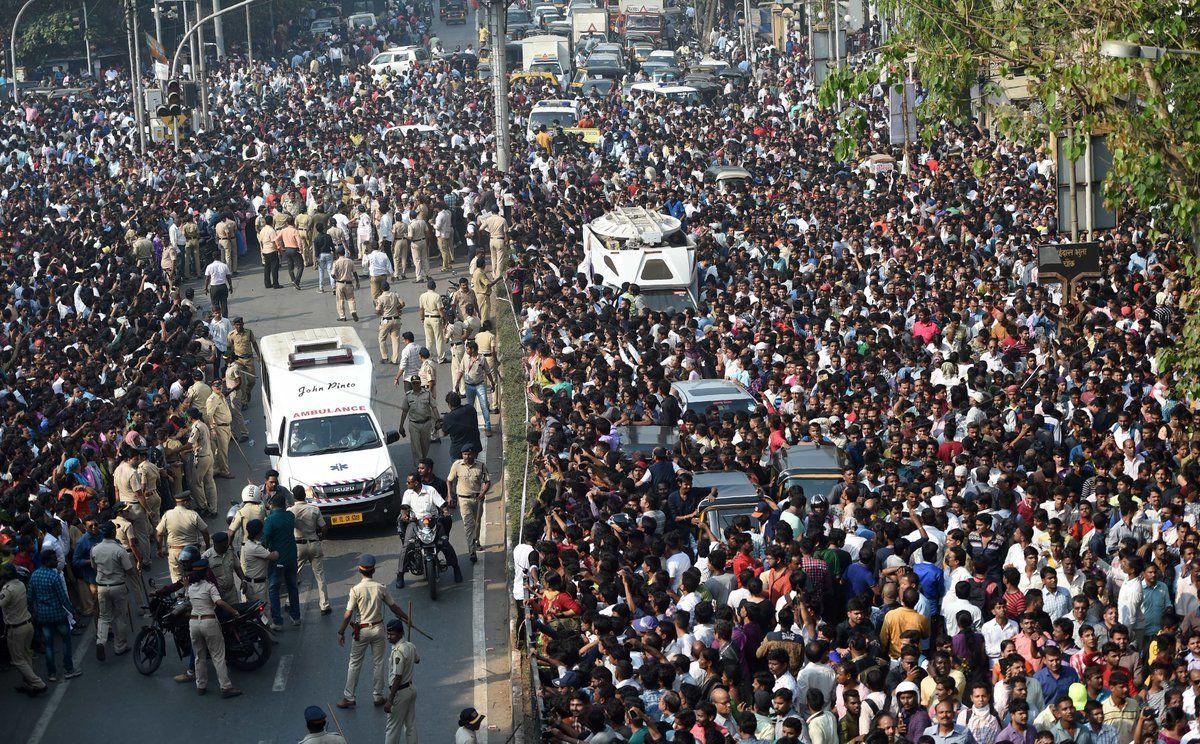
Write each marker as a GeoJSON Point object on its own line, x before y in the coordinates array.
{"type": "Point", "coordinates": [279, 535]}
{"type": "Point", "coordinates": [81, 564]}
{"type": "Point", "coordinates": [932, 577]}
{"type": "Point", "coordinates": [1055, 678]}
{"type": "Point", "coordinates": [50, 606]}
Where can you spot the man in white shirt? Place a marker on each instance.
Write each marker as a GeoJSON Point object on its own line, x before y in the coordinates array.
{"type": "Point", "coordinates": [218, 284]}
{"type": "Point", "coordinates": [421, 502]}
{"type": "Point", "coordinates": [378, 267]}
{"type": "Point", "coordinates": [998, 630]}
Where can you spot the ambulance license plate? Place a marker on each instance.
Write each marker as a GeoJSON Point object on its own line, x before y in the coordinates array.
{"type": "Point", "coordinates": [350, 518]}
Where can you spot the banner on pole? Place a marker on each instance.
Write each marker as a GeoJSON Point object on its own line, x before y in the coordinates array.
{"type": "Point", "coordinates": [156, 50]}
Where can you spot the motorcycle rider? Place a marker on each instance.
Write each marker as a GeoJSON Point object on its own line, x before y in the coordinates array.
{"type": "Point", "coordinates": [205, 630]}
{"type": "Point", "coordinates": [420, 501]}
{"type": "Point", "coordinates": [251, 508]}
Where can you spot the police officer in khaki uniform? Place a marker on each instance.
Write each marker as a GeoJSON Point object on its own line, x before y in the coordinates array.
{"type": "Point", "coordinates": [132, 492]}
{"type": "Point", "coordinates": [485, 340]}
{"type": "Point", "coordinates": [310, 531]}
{"type": "Point", "coordinates": [220, 420]}
{"type": "Point", "coordinates": [143, 250]}
{"type": "Point", "coordinates": [114, 567]}
{"type": "Point", "coordinates": [345, 279]}
{"type": "Point", "coordinates": [196, 393]}
{"type": "Point", "coordinates": [304, 225]}
{"type": "Point", "coordinates": [417, 410]}
{"type": "Point", "coordinates": [251, 508]}
{"type": "Point", "coordinates": [207, 640]}
{"type": "Point", "coordinates": [497, 230]}
{"type": "Point", "coordinates": [127, 535]}
{"type": "Point", "coordinates": [151, 475]}
{"type": "Point", "coordinates": [469, 481]}
{"type": "Point", "coordinates": [430, 303]}
{"type": "Point", "coordinates": [388, 306]}
{"type": "Point", "coordinates": [191, 247]}
{"type": "Point", "coordinates": [256, 561]}
{"type": "Point", "coordinates": [179, 528]}
{"type": "Point", "coordinates": [227, 242]}
{"type": "Point", "coordinates": [200, 481]}
{"type": "Point", "coordinates": [462, 297]}
{"type": "Point", "coordinates": [366, 601]}
{"type": "Point", "coordinates": [231, 389]}
{"type": "Point", "coordinates": [482, 287]}
{"type": "Point", "coordinates": [401, 703]}
{"type": "Point", "coordinates": [243, 349]}
{"type": "Point", "coordinates": [400, 248]}
{"type": "Point", "coordinates": [18, 632]}
{"type": "Point", "coordinates": [224, 565]}
{"type": "Point", "coordinates": [314, 720]}
{"type": "Point", "coordinates": [419, 233]}
{"type": "Point", "coordinates": [456, 337]}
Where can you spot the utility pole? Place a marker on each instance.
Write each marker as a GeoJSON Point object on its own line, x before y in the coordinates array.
{"type": "Point", "coordinates": [249, 39]}
{"type": "Point", "coordinates": [203, 68]}
{"type": "Point", "coordinates": [218, 29]}
{"type": "Point", "coordinates": [497, 28]}
{"type": "Point", "coordinates": [747, 9]}
{"type": "Point", "coordinates": [87, 44]}
{"type": "Point", "coordinates": [157, 9]}
{"type": "Point", "coordinates": [137, 76]}
{"type": "Point", "coordinates": [13, 48]}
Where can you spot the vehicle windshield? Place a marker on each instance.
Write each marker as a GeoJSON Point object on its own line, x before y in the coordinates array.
{"type": "Point", "coordinates": [722, 517]}
{"type": "Point", "coordinates": [551, 119]}
{"type": "Point", "coordinates": [327, 435]}
{"type": "Point", "coordinates": [643, 22]}
{"type": "Point", "coordinates": [518, 16]}
{"type": "Point", "coordinates": [812, 486]}
{"type": "Point", "coordinates": [741, 404]}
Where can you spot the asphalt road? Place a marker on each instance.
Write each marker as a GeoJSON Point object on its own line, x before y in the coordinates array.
{"type": "Point", "coordinates": [466, 665]}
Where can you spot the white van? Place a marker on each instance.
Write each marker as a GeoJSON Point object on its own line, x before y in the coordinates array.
{"type": "Point", "coordinates": [550, 114]}
{"type": "Point", "coordinates": [321, 429]}
{"type": "Point", "coordinates": [398, 59]}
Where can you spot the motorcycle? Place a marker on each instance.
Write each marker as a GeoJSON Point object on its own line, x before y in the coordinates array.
{"type": "Point", "coordinates": [424, 555]}
{"type": "Point", "coordinates": [247, 638]}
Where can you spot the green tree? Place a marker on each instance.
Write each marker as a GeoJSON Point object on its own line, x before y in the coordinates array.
{"type": "Point", "coordinates": [1149, 108]}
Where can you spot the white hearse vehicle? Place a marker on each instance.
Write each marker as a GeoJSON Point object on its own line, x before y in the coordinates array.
{"type": "Point", "coordinates": [322, 431]}
{"type": "Point", "coordinates": [633, 245]}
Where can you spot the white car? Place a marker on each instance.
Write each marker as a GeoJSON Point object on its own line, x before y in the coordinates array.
{"type": "Point", "coordinates": [398, 59]}
{"type": "Point", "coordinates": [361, 20]}
{"type": "Point", "coordinates": [550, 114]}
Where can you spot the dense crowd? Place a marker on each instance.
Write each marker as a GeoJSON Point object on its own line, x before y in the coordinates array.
{"type": "Point", "coordinates": [1009, 556]}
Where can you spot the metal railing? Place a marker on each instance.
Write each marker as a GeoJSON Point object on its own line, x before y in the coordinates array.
{"type": "Point", "coordinates": [533, 730]}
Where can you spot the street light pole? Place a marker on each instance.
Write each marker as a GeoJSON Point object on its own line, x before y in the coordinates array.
{"type": "Point", "coordinates": [13, 47]}
{"type": "Point", "coordinates": [1129, 50]}
{"type": "Point", "coordinates": [497, 22]}
{"type": "Point", "coordinates": [249, 40]}
{"type": "Point", "coordinates": [190, 31]}
{"type": "Point", "coordinates": [218, 28]}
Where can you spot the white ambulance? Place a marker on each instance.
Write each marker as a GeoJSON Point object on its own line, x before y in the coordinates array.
{"type": "Point", "coordinates": [321, 429]}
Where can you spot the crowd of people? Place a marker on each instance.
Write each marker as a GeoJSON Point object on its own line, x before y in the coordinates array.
{"type": "Point", "coordinates": [1010, 555]}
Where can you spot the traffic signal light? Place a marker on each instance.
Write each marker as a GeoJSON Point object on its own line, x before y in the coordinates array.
{"type": "Point", "coordinates": [172, 109]}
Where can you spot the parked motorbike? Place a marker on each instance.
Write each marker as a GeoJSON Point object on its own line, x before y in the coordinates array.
{"type": "Point", "coordinates": [247, 638]}
{"type": "Point", "coordinates": [425, 554]}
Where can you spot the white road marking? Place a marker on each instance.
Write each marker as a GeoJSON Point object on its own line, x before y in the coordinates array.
{"type": "Point", "coordinates": [281, 674]}
{"type": "Point", "coordinates": [478, 587]}
{"type": "Point", "coordinates": [60, 689]}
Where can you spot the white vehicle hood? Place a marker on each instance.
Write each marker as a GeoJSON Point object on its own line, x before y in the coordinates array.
{"type": "Point", "coordinates": [341, 477]}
